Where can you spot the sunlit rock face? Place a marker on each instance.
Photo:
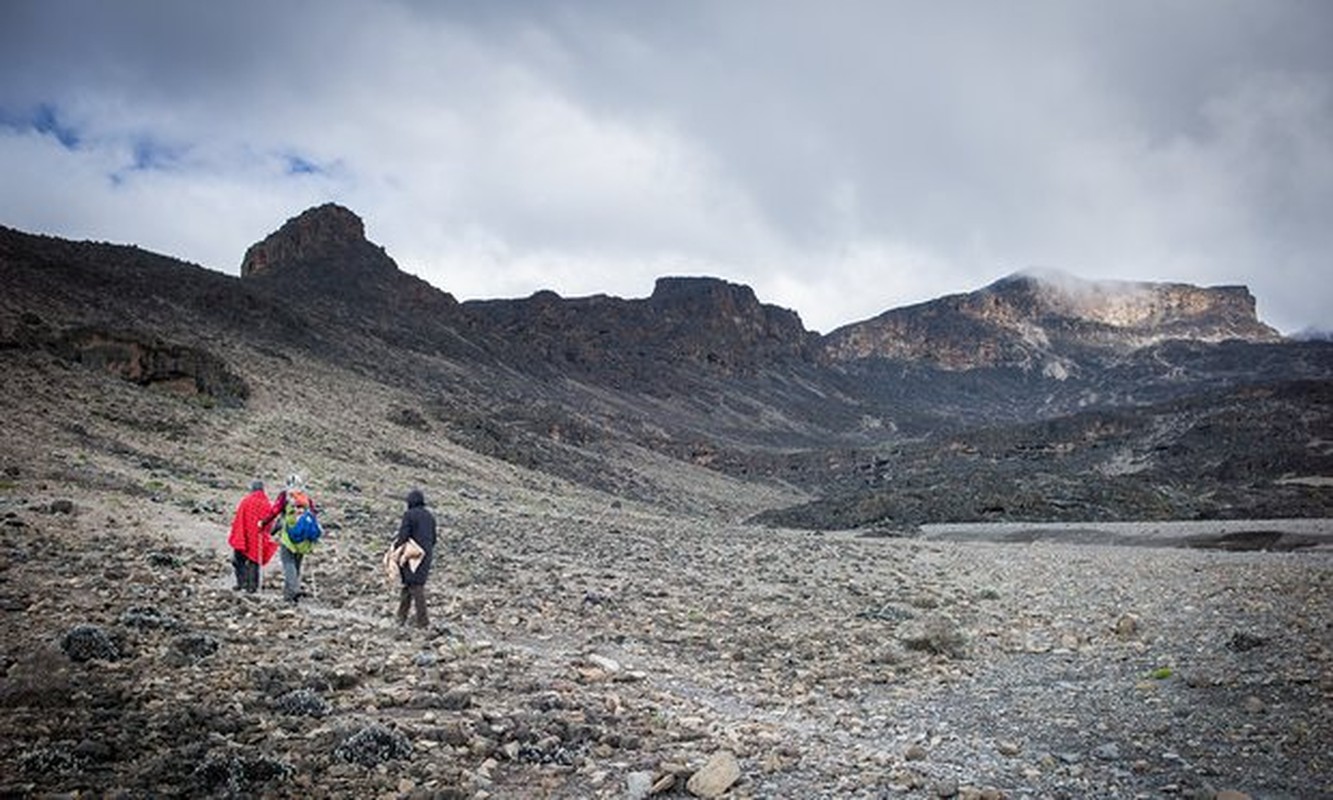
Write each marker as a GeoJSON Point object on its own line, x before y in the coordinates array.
{"type": "Point", "coordinates": [1047, 320]}
{"type": "Point", "coordinates": [1154, 311]}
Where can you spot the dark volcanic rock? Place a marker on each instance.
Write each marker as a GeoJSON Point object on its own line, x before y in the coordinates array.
{"type": "Point", "coordinates": [702, 323]}
{"type": "Point", "coordinates": [147, 618]}
{"type": "Point", "coordinates": [147, 361]}
{"type": "Point", "coordinates": [320, 264]}
{"type": "Point", "coordinates": [1220, 455]}
{"type": "Point", "coordinates": [241, 776]}
{"type": "Point", "coordinates": [880, 418]}
{"type": "Point", "coordinates": [326, 232]}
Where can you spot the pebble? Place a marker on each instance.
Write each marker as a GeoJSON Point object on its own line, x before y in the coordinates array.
{"type": "Point", "coordinates": [638, 785]}
{"type": "Point", "coordinates": [1008, 748]}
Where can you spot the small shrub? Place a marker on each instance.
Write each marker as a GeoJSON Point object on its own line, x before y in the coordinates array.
{"type": "Point", "coordinates": [240, 777]}
{"type": "Point", "coordinates": [373, 745]}
{"type": "Point", "coordinates": [937, 636]}
{"type": "Point", "coordinates": [88, 642]}
{"type": "Point", "coordinates": [146, 617]}
{"type": "Point", "coordinates": [302, 703]}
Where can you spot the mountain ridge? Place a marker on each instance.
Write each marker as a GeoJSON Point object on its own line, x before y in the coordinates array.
{"type": "Point", "coordinates": [1024, 319]}
{"type": "Point", "coordinates": [701, 372]}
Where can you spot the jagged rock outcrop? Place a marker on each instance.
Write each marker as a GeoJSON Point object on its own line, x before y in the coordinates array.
{"type": "Point", "coordinates": [148, 361]}
{"type": "Point", "coordinates": [134, 356]}
{"type": "Point", "coordinates": [695, 320]}
{"type": "Point", "coordinates": [321, 260]}
{"type": "Point", "coordinates": [1047, 321]}
{"type": "Point", "coordinates": [722, 323]}
{"type": "Point", "coordinates": [324, 233]}
{"type": "Point", "coordinates": [325, 250]}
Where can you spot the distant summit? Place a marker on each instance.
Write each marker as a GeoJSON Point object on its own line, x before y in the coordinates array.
{"type": "Point", "coordinates": [329, 235]}
{"type": "Point", "coordinates": [1148, 311]}
{"type": "Point", "coordinates": [1045, 319]}
{"type": "Point", "coordinates": [324, 252]}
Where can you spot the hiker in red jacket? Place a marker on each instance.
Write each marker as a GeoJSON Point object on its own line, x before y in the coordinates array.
{"type": "Point", "coordinates": [250, 546]}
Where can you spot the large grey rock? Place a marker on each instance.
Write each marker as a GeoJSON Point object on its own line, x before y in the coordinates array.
{"type": "Point", "coordinates": [716, 777]}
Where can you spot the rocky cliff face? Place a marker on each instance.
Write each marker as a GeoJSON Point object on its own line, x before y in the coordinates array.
{"type": "Point", "coordinates": [1048, 321]}
{"type": "Point", "coordinates": [327, 232]}
{"type": "Point", "coordinates": [696, 320]}
{"type": "Point", "coordinates": [323, 257]}
{"type": "Point", "coordinates": [724, 322]}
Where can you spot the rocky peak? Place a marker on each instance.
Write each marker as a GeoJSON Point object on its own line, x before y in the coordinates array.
{"type": "Point", "coordinates": [721, 321]}
{"type": "Point", "coordinates": [323, 253]}
{"type": "Point", "coordinates": [697, 320]}
{"type": "Point", "coordinates": [713, 304]}
{"type": "Point", "coordinates": [704, 294]}
{"type": "Point", "coordinates": [1042, 320]}
{"type": "Point", "coordinates": [1153, 311]}
{"type": "Point", "coordinates": [327, 232]}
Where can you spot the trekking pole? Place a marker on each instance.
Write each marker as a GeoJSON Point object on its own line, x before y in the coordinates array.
{"type": "Point", "coordinates": [259, 563]}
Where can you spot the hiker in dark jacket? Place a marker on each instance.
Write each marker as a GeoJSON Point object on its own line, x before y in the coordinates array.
{"type": "Point", "coordinates": [418, 525]}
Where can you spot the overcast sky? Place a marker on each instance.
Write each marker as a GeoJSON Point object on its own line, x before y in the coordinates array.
{"type": "Point", "coordinates": [842, 158]}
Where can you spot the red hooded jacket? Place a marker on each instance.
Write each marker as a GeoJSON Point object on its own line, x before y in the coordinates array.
{"type": "Point", "coordinates": [246, 534]}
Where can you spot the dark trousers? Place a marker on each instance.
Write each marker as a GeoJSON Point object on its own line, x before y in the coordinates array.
{"type": "Point", "coordinates": [413, 593]}
{"type": "Point", "coordinates": [247, 571]}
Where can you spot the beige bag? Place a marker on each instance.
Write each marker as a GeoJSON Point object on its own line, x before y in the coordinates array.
{"type": "Point", "coordinates": [409, 555]}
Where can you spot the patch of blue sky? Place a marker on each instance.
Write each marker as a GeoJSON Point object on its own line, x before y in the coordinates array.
{"type": "Point", "coordinates": [151, 154]}
{"type": "Point", "coordinates": [148, 154]}
{"type": "Point", "coordinates": [296, 165]}
{"type": "Point", "coordinates": [44, 119]}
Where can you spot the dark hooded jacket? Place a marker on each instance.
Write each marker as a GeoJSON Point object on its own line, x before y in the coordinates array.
{"type": "Point", "coordinates": [418, 524]}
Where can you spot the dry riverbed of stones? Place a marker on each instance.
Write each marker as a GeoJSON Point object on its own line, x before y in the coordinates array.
{"type": "Point", "coordinates": [623, 654]}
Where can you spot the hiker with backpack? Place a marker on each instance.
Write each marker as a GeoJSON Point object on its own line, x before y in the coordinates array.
{"type": "Point", "coordinates": [295, 523]}
{"type": "Point", "coordinates": [413, 551]}
{"type": "Point", "coordinates": [251, 549]}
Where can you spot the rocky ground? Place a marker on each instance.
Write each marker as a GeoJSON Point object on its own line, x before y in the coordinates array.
{"type": "Point", "coordinates": [585, 647]}
{"type": "Point", "coordinates": [616, 655]}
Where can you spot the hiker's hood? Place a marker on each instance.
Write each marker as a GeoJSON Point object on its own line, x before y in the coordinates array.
{"type": "Point", "coordinates": [415, 499]}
